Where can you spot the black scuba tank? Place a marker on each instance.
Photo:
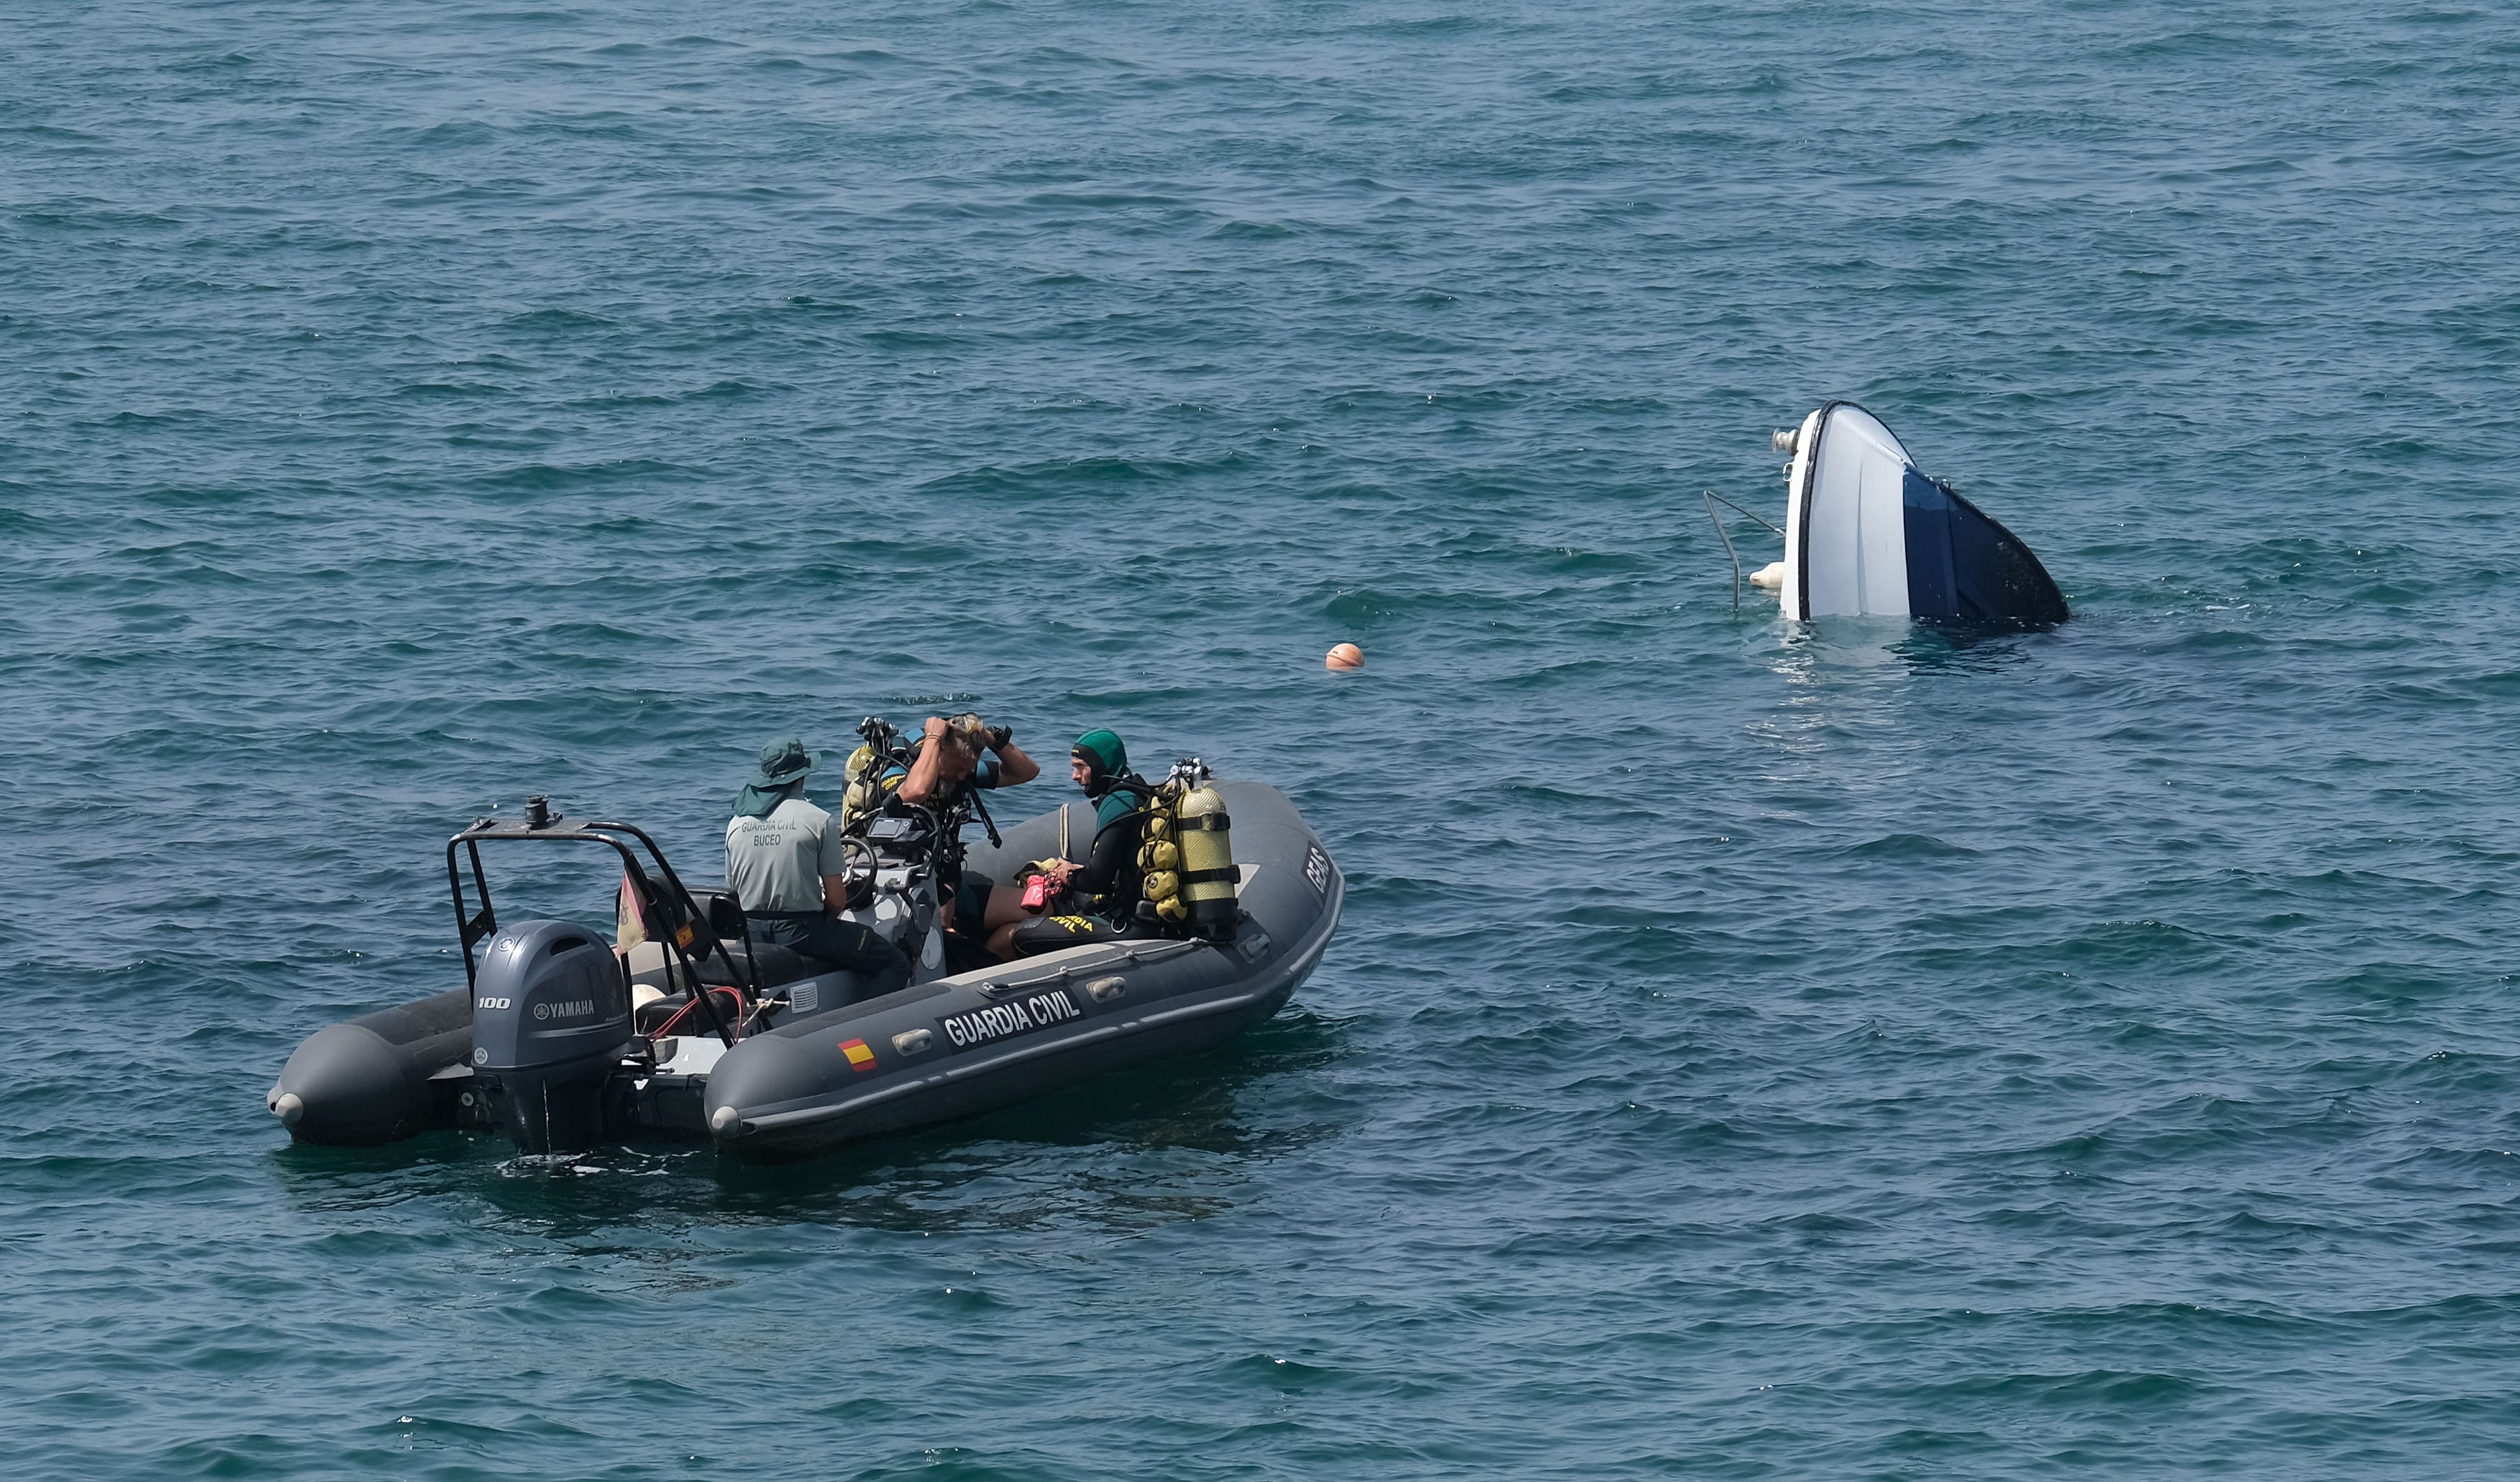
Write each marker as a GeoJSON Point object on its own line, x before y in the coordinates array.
{"type": "Point", "coordinates": [550, 1020]}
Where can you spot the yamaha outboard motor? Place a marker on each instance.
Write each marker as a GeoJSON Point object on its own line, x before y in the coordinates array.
{"type": "Point", "coordinates": [550, 1020]}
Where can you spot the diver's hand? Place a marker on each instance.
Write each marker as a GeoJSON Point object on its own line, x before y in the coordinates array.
{"type": "Point", "coordinates": [935, 726]}
{"type": "Point", "coordinates": [999, 736]}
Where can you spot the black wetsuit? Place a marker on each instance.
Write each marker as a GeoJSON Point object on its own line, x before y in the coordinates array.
{"type": "Point", "coordinates": [1102, 896]}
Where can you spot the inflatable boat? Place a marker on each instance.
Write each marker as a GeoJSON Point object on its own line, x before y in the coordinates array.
{"type": "Point", "coordinates": [566, 1040]}
{"type": "Point", "coordinates": [1867, 533]}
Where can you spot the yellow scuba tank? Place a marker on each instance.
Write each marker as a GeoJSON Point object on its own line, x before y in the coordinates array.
{"type": "Point", "coordinates": [869, 785]}
{"type": "Point", "coordinates": [1203, 836]}
{"type": "Point", "coordinates": [861, 796]}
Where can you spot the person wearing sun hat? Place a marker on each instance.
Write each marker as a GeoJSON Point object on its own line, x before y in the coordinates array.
{"type": "Point", "coordinates": [788, 866]}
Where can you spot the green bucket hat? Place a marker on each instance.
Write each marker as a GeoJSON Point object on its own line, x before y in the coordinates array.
{"type": "Point", "coordinates": [784, 763]}
{"type": "Point", "coordinates": [1104, 750]}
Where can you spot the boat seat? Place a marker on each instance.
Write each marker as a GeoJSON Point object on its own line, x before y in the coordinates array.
{"type": "Point", "coordinates": [773, 964]}
{"type": "Point", "coordinates": [776, 965]}
{"type": "Point", "coordinates": [651, 966]}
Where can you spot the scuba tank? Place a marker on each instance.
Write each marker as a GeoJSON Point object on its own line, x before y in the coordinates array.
{"type": "Point", "coordinates": [1204, 841]}
{"type": "Point", "coordinates": [1187, 857]}
{"type": "Point", "coordinates": [863, 794]}
{"type": "Point", "coordinates": [865, 773]}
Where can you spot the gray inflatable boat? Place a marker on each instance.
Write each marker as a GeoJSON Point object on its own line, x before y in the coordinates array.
{"type": "Point", "coordinates": [565, 1042]}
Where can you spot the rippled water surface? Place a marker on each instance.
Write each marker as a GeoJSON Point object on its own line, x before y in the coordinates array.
{"type": "Point", "coordinates": [1751, 1050]}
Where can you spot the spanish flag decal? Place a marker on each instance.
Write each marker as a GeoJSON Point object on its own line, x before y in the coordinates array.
{"type": "Point", "coordinates": [861, 1058]}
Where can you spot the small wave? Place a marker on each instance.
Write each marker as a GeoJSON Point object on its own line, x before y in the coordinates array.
{"type": "Point", "coordinates": [1907, 846]}
{"type": "Point", "coordinates": [542, 320]}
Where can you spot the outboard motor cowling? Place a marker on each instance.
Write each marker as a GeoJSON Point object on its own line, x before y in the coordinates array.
{"type": "Point", "coordinates": [550, 1020]}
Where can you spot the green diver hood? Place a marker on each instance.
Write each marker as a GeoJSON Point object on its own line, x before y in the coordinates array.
{"type": "Point", "coordinates": [1102, 748]}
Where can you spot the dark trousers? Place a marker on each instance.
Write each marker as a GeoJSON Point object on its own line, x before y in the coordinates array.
{"type": "Point", "coordinates": [827, 938]}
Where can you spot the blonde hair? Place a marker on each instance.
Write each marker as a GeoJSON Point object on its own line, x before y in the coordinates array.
{"type": "Point", "coordinates": [969, 729]}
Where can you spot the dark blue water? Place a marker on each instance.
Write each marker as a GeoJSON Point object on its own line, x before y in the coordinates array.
{"type": "Point", "coordinates": [1751, 1050]}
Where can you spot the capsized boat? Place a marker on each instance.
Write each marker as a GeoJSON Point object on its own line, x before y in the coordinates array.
{"type": "Point", "coordinates": [1867, 533]}
{"type": "Point", "coordinates": [565, 1040]}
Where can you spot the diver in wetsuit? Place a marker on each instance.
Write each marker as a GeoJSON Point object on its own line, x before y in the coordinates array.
{"type": "Point", "coordinates": [1092, 901]}
{"type": "Point", "coordinates": [952, 759]}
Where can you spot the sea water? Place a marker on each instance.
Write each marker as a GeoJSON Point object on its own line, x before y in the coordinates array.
{"type": "Point", "coordinates": [1750, 1050]}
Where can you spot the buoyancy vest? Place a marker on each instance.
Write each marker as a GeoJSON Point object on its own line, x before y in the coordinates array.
{"type": "Point", "coordinates": [1108, 881]}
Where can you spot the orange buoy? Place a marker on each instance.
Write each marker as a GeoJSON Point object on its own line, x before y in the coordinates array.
{"type": "Point", "coordinates": [1345, 657]}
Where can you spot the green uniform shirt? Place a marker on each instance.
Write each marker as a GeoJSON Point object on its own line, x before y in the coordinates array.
{"type": "Point", "coordinates": [778, 863]}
